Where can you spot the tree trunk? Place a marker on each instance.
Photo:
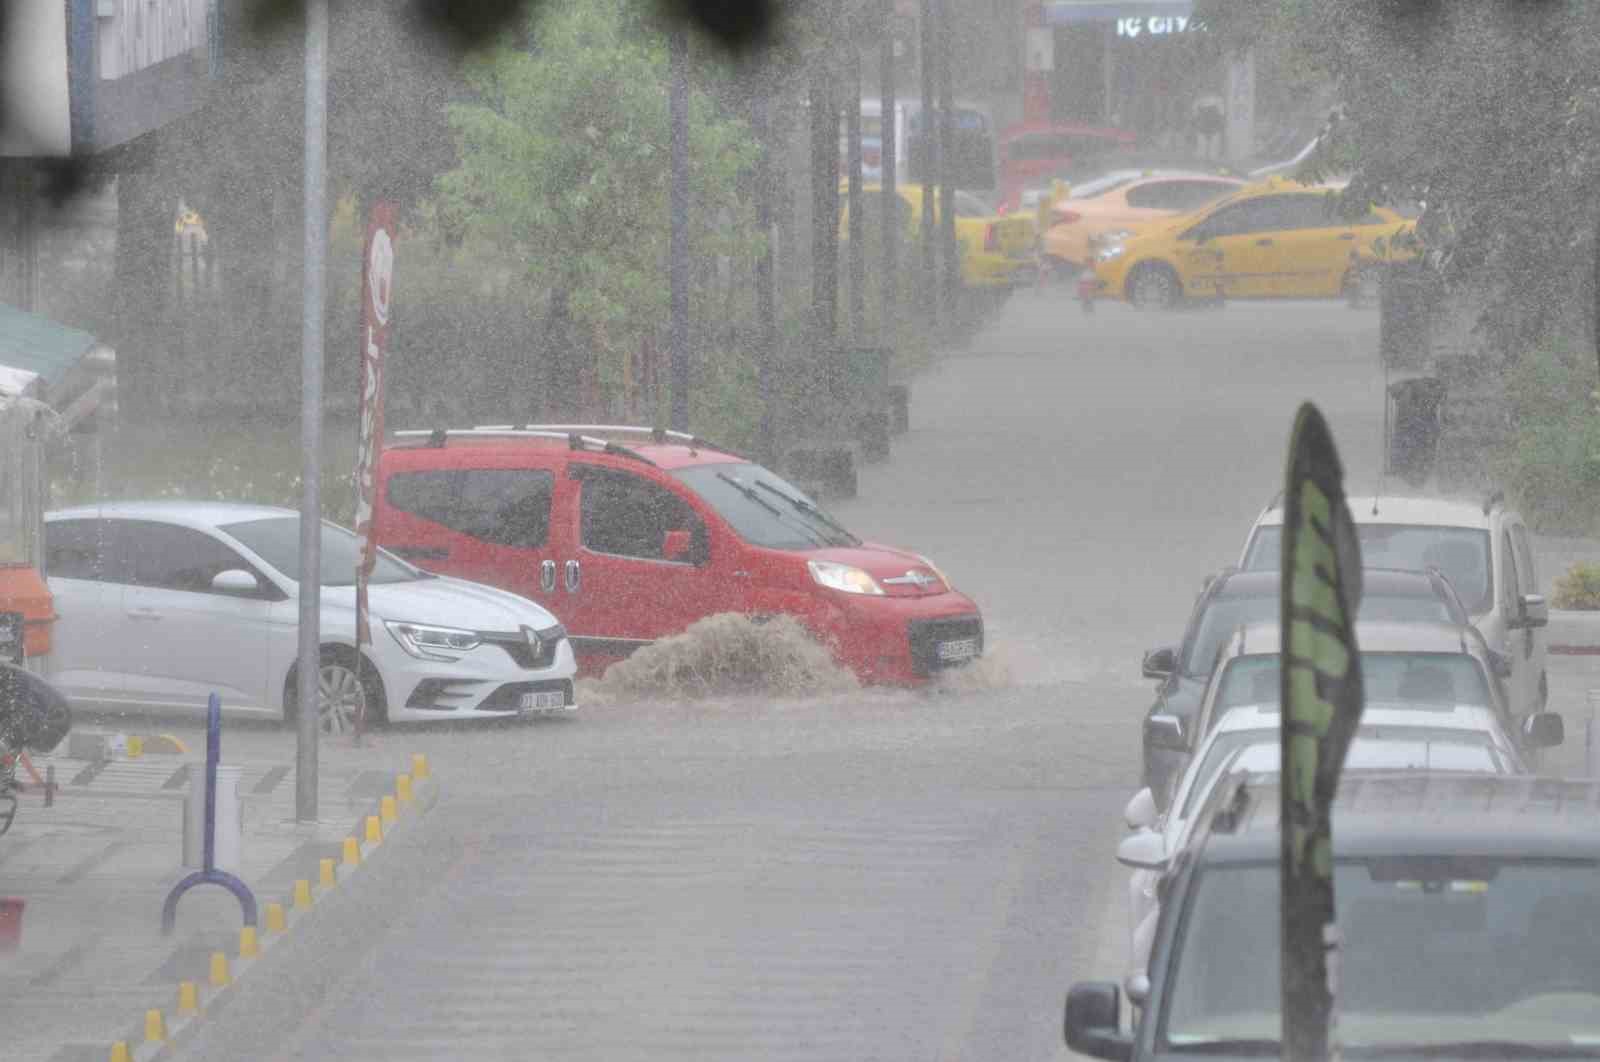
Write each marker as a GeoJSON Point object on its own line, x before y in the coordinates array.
{"type": "Point", "coordinates": [926, 154]}
{"type": "Point", "coordinates": [891, 197]}
{"type": "Point", "coordinates": [947, 127]}
{"type": "Point", "coordinates": [824, 205]}
{"type": "Point", "coordinates": [858, 265]}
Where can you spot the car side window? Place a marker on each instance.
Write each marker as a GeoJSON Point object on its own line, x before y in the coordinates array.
{"type": "Point", "coordinates": [1253, 215]}
{"type": "Point", "coordinates": [628, 516]}
{"type": "Point", "coordinates": [1156, 195]}
{"type": "Point", "coordinates": [168, 557]}
{"type": "Point", "coordinates": [502, 506]}
{"type": "Point", "coordinates": [75, 549]}
{"type": "Point", "coordinates": [1306, 212]}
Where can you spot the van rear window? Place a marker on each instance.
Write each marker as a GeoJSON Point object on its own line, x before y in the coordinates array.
{"type": "Point", "coordinates": [503, 506]}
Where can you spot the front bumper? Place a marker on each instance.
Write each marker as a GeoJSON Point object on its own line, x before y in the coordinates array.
{"type": "Point", "coordinates": [485, 683]}
{"type": "Point", "coordinates": [907, 640]}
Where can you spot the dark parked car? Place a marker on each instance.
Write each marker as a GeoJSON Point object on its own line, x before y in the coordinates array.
{"type": "Point", "coordinates": [1234, 599]}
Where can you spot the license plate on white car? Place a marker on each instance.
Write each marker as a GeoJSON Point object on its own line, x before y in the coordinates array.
{"type": "Point", "coordinates": [543, 701]}
{"type": "Point", "coordinates": [956, 651]}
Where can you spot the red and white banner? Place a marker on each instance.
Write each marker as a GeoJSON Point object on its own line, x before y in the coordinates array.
{"type": "Point", "coordinates": [377, 274]}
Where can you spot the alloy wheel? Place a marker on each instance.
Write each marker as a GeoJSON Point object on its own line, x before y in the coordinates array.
{"type": "Point", "coordinates": [341, 698]}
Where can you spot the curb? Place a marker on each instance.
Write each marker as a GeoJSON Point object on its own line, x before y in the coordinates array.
{"type": "Point", "coordinates": [161, 1034]}
{"type": "Point", "coordinates": [1573, 633]}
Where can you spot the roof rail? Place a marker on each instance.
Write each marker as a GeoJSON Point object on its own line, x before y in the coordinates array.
{"type": "Point", "coordinates": [1495, 498]}
{"type": "Point", "coordinates": [655, 435]}
{"type": "Point", "coordinates": [437, 437]}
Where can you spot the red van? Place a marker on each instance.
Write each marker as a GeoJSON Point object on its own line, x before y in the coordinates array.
{"type": "Point", "coordinates": [632, 534]}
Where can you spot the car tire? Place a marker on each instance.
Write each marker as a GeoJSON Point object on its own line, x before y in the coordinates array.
{"type": "Point", "coordinates": [1153, 286]}
{"type": "Point", "coordinates": [345, 680]}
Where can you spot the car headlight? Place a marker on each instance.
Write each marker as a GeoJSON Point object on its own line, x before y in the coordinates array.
{"type": "Point", "coordinates": [1106, 254]}
{"type": "Point", "coordinates": [426, 642]}
{"type": "Point", "coordinates": [934, 568]}
{"type": "Point", "coordinates": [845, 578]}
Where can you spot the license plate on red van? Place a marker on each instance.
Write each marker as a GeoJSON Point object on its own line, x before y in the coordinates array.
{"type": "Point", "coordinates": [543, 701]}
{"type": "Point", "coordinates": [956, 651]}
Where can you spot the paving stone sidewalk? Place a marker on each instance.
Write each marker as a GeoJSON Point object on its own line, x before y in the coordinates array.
{"type": "Point", "coordinates": [94, 869]}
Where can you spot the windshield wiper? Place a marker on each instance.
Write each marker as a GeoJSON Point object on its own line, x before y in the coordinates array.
{"type": "Point", "coordinates": [1478, 1049]}
{"type": "Point", "coordinates": [811, 510]}
{"type": "Point", "coordinates": [749, 492]}
{"type": "Point", "coordinates": [1224, 1046]}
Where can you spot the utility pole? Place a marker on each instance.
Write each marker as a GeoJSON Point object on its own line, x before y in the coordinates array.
{"type": "Point", "coordinates": [927, 163]}
{"type": "Point", "coordinates": [766, 309]}
{"type": "Point", "coordinates": [891, 196]}
{"type": "Point", "coordinates": [824, 205]}
{"type": "Point", "coordinates": [678, 241]}
{"type": "Point", "coordinates": [308, 724]}
{"type": "Point", "coordinates": [858, 262]}
{"type": "Point", "coordinates": [947, 176]}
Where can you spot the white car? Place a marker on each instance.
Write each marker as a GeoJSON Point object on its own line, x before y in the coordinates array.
{"type": "Point", "coordinates": [163, 603]}
{"type": "Point", "coordinates": [1482, 548]}
{"type": "Point", "coordinates": [1462, 738]}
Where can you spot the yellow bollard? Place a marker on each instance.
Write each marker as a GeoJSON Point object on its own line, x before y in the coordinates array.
{"type": "Point", "coordinates": [155, 1029]}
{"type": "Point", "coordinates": [325, 878]}
{"type": "Point", "coordinates": [419, 766]}
{"type": "Point", "coordinates": [387, 811]}
{"type": "Point", "coordinates": [249, 944]}
{"type": "Point", "coordinates": [374, 829]}
{"type": "Point", "coordinates": [352, 851]}
{"type": "Point", "coordinates": [188, 997]}
{"type": "Point", "coordinates": [219, 970]}
{"type": "Point", "coordinates": [135, 747]}
{"type": "Point", "coordinates": [120, 1052]}
{"type": "Point", "coordinates": [302, 894]}
{"type": "Point", "coordinates": [402, 788]}
{"type": "Point", "coordinates": [276, 922]}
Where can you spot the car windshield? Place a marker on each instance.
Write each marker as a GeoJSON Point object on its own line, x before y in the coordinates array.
{"type": "Point", "coordinates": [764, 509]}
{"type": "Point", "coordinates": [276, 540]}
{"type": "Point", "coordinates": [1414, 679]}
{"type": "Point", "coordinates": [1462, 554]}
{"type": "Point", "coordinates": [1455, 950]}
{"type": "Point", "coordinates": [1227, 614]}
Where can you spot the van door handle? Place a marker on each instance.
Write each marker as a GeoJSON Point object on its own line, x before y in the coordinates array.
{"type": "Point", "coordinates": [574, 577]}
{"type": "Point", "coordinates": [547, 576]}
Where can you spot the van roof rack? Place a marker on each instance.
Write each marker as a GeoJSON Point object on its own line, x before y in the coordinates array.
{"type": "Point", "coordinates": [658, 436]}
{"type": "Point", "coordinates": [436, 438]}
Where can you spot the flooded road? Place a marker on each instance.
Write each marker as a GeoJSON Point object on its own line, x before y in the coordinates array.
{"type": "Point", "coordinates": [878, 875]}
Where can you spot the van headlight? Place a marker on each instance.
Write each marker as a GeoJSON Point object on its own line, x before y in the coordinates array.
{"type": "Point", "coordinates": [845, 578]}
{"type": "Point", "coordinates": [426, 642]}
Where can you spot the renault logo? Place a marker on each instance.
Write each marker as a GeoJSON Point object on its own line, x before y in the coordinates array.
{"type": "Point", "coordinates": [532, 638]}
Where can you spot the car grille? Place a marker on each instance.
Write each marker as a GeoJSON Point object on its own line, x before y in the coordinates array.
{"type": "Point", "coordinates": [515, 643]}
{"type": "Point", "coordinates": [508, 698]}
{"type": "Point", "coordinates": [927, 636]}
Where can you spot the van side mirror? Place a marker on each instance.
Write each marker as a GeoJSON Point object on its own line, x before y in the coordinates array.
{"type": "Point", "coordinates": [1145, 850]}
{"type": "Point", "coordinates": [1535, 612]}
{"type": "Point", "coordinates": [235, 581]}
{"type": "Point", "coordinates": [1094, 1013]}
{"type": "Point", "coordinates": [1141, 812]}
{"type": "Point", "coordinates": [1160, 663]}
{"type": "Point", "coordinates": [676, 545]}
{"type": "Point", "coordinates": [1166, 732]}
{"type": "Point", "coordinates": [1544, 730]}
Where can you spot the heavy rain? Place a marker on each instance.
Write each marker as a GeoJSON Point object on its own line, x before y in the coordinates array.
{"type": "Point", "coordinates": [845, 529]}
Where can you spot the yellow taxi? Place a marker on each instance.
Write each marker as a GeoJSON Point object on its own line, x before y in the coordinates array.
{"type": "Point", "coordinates": [1277, 239]}
{"type": "Point", "coordinates": [997, 251]}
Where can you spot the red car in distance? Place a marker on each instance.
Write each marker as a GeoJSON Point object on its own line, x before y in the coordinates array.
{"type": "Point", "coordinates": [1033, 153]}
{"type": "Point", "coordinates": [629, 535]}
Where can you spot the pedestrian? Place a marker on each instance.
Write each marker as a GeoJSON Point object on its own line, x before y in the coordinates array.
{"type": "Point", "coordinates": [1209, 121]}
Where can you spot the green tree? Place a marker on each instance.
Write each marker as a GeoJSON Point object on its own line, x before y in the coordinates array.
{"type": "Point", "coordinates": [563, 164]}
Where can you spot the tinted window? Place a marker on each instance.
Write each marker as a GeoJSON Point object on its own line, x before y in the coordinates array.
{"type": "Point", "coordinates": [628, 516]}
{"type": "Point", "coordinates": [505, 506]}
{"type": "Point", "coordinates": [276, 539]}
{"type": "Point", "coordinates": [169, 557]}
{"type": "Point", "coordinates": [75, 549]}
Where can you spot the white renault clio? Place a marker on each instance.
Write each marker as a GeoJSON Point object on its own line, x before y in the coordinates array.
{"type": "Point", "coordinates": [163, 603]}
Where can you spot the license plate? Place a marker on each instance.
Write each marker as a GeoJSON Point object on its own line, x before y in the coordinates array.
{"type": "Point", "coordinates": [964, 649]}
{"type": "Point", "coordinates": [543, 701]}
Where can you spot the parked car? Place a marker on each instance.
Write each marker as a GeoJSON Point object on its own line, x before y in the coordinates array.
{"type": "Point", "coordinates": [1277, 239]}
{"type": "Point", "coordinates": [630, 535]}
{"type": "Point", "coordinates": [1467, 907]}
{"type": "Point", "coordinates": [1392, 736]}
{"type": "Point", "coordinates": [1112, 207]}
{"type": "Point", "coordinates": [997, 252]}
{"type": "Point", "coordinates": [1236, 598]}
{"type": "Point", "coordinates": [1485, 551]}
{"type": "Point", "coordinates": [1031, 153]}
{"type": "Point", "coordinates": [1412, 663]}
{"type": "Point", "coordinates": [164, 603]}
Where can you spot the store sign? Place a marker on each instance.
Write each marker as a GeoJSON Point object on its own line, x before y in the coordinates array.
{"type": "Point", "coordinates": [1158, 25]}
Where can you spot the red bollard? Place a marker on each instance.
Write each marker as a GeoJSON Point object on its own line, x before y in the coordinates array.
{"type": "Point", "coordinates": [10, 923]}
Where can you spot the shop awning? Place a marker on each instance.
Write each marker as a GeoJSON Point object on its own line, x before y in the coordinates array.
{"type": "Point", "coordinates": [1069, 12]}
{"type": "Point", "coordinates": [70, 369]}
